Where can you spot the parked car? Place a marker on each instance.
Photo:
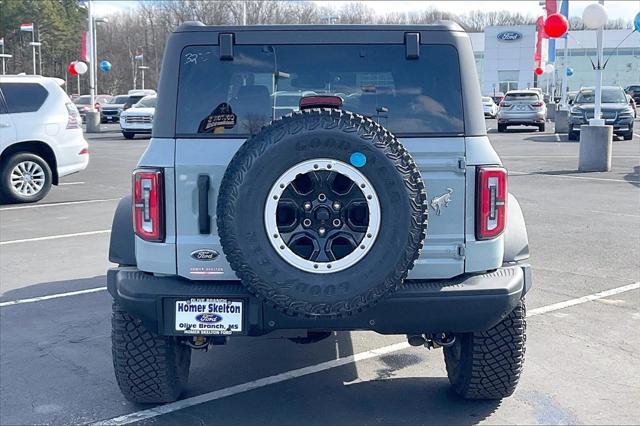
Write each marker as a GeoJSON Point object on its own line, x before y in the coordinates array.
{"type": "Point", "coordinates": [490, 107]}
{"type": "Point", "coordinates": [522, 108]}
{"type": "Point", "coordinates": [139, 118]}
{"type": "Point", "coordinates": [41, 137]}
{"type": "Point", "coordinates": [110, 112]}
{"type": "Point", "coordinates": [634, 91]}
{"type": "Point", "coordinates": [83, 103]}
{"type": "Point", "coordinates": [615, 109]}
{"type": "Point", "coordinates": [571, 97]}
{"type": "Point", "coordinates": [633, 105]}
{"type": "Point", "coordinates": [311, 223]}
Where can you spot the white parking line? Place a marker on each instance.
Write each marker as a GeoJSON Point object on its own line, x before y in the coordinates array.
{"type": "Point", "coordinates": [51, 296]}
{"type": "Point", "coordinates": [638, 135]}
{"type": "Point", "coordinates": [68, 203]}
{"type": "Point", "coordinates": [71, 183]}
{"type": "Point", "coordinates": [139, 416]}
{"type": "Point", "coordinates": [55, 237]}
{"type": "Point", "coordinates": [571, 177]}
{"type": "Point", "coordinates": [557, 136]}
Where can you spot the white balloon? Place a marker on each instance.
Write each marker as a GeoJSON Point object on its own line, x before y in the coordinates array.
{"type": "Point", "coordinates": [594, 16]}
{"type": "Point", "coordinates": [80, 67]}
{"type": "Point", "coordinates": [549, 68]}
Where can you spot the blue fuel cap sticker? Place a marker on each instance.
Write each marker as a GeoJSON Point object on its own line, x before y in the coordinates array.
{"type": "Point", "coordinates": [358, 159]}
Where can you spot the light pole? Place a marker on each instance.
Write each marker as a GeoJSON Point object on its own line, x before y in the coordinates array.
{"type": "Point", "coordinates": [4, 57]}
{"type": "Point", "coordinates": [94, 48]}
{"type": "Point", "coordinates": [33, 45]}
{"type": "Point", "coordinates": [142, 68]}
{"type": "Point", "coordinates": [92, 117]}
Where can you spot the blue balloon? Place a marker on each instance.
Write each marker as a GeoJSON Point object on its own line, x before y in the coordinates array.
{"type": "Point", "coordinates": [569, 71]}
{"type": "Point", "coordinates": [105, 66]}
{"type": "Point", "coordinates": [636, 22]}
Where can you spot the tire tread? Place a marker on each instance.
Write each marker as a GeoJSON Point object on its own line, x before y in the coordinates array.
{"type": "Point", "coordinates": [491, 361]}
{"type": "Point", "coordinates": [148, 368]}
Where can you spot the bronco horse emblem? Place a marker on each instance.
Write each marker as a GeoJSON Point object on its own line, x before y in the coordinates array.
{"type": "Point", "coordinates": [437, 203]}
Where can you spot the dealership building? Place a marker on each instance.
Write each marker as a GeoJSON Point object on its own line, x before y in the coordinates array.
{"type": "Point", "coordinates": [505, 58]}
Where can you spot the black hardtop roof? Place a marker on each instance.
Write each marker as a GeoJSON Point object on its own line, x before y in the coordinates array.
{"type": "Point", "coordinates": [196, 26]}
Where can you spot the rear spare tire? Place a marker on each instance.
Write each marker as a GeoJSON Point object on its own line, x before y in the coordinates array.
{"type": "Point", "coordinates": [322, 213]}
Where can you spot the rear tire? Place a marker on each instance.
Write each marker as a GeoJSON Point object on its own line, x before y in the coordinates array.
{"type": "Point", "coordinates": [541, 127]}
{"type": "Point", "coordinates": [502, 128]}
{"type": "Point", "coordinates": [149, 368]}
{"type": "Point", "coordinates": [487, 364]}
{"type": "Point", "coordinates": [573, 136]}
{"type": "Point", "coordinates": [628, 135]}
{"type": "Point", "coordinates": [128, 135]}
{"type": "Point", "coordinates": [22, 164]}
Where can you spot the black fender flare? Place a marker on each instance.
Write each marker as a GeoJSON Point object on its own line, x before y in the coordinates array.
{"type": "Point", "coordinates": [516, 241]}
{"type": "Point", "coordinates": [122, 246]}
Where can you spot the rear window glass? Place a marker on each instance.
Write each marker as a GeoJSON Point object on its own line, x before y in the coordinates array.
{"type": "Point", "coordinates": [83, 100]}
{"type": "Point", "coordinates": [521, 97]}
{"type": "Point", "coordinates": [120, 99]}
{"type": "Point", "coordinates": [238, 97]}
{"type": "Point", "coordinates": [23, 97]}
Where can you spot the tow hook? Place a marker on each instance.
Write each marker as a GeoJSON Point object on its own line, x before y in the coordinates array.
{"type": "Point", "coordinates": [432, 341]}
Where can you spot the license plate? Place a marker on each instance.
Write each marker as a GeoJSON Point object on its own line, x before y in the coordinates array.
{"type": "Point", "coordinates": [209, 316]}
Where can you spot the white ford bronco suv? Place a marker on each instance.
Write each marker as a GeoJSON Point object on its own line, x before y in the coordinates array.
{"type": "Point", "coordinates": [285, 192]}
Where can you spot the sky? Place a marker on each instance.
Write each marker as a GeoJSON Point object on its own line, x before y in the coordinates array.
{"type": "Point", "coordinates": [616, 9]}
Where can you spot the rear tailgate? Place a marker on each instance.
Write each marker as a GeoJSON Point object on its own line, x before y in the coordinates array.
{"type": "Point", "coordinates": [441, 162]}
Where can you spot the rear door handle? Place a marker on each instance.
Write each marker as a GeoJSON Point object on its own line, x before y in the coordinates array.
{"type": "Point", "coordinates": [204, 219]}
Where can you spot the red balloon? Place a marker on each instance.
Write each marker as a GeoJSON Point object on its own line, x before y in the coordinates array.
{"type": "Point", "coordinates": [556, 25]}
{"type": "Point", "coordinates": [539, 71]}
{"type": "Point", "coordinates": [72, 69]}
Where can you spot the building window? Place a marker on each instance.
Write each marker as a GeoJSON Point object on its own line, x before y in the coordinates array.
{"type": "Point", "coordinates": [508, 80]}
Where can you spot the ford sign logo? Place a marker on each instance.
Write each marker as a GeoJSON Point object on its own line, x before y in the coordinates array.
{"type": "Point", "coordinates": [208, 318]}
{"type": "Point", "coordinates": [205, 254]}
{"type": "Point", "coordinates": [509, 36]}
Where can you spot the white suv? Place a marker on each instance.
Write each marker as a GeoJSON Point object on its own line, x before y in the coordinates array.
{"type": "Point", "coordinates": [139, 118]}
{"type": "Point", "coordinates": [41, 137]}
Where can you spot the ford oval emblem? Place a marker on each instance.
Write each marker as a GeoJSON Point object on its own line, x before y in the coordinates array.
{"type": "Point", "coordinates": [205, 254]}
{"type": "Point", "coordinates": [509, 36]}
{"type": "Point", "coordinates": [210, 318]}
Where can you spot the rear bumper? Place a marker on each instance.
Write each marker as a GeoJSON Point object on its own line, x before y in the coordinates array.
{"type": "Point", "coordinates": [135, 130]}
{"type": "Point", "coordinates": [537, 117]}
{"type": "Point", "coordinates": [471, 302]}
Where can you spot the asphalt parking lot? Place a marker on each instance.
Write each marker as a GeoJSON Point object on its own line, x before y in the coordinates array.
{"type": "Point", "coordinates": [582, 361]}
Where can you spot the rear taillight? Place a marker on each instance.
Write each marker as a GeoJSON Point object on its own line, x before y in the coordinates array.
{"type": "Point", "coordinates": [537, 104]}
{"type": "Point", "coordinates": [491, 196]}
{"type": "Point", "coordinates": [148, 204]}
